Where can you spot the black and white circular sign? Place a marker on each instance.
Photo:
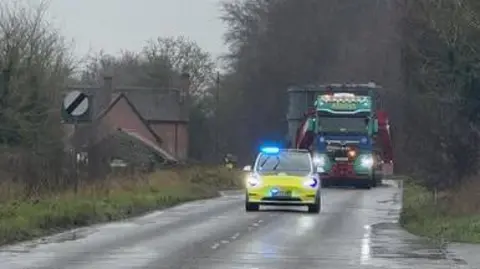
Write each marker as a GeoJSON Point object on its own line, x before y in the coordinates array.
{"type": "Point", "coordinates": [76, 103]}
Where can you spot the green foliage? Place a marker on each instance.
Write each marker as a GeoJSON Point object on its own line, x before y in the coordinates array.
{"type": "Point", "coordinates": [119, 198]}
{"type": "Point", "coordinates": [442, 73]}
{"type": "Point", "coordinates": [37, 60]}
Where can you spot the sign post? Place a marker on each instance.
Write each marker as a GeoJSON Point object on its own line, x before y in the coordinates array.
{"type": "Point", "coordinates": [76, 108]}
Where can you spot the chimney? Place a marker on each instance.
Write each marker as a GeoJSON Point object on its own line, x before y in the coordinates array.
{"type": "Point", "coordinates": [184, 99]}
{"type": "Point", "coordinates": [106, 91]}
{"type": "Point", "coordinates": [185, 86]}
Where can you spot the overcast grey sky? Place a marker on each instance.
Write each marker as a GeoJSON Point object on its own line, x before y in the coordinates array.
{"type": "Point", "coordinates": [113, 25]}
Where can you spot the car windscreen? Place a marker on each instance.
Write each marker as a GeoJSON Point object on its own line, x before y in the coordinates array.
{"type": "Point", "coordinates": [284, 162]}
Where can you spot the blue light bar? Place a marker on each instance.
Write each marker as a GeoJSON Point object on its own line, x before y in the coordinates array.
{"type": "Point", "coordinates": [270, 150]}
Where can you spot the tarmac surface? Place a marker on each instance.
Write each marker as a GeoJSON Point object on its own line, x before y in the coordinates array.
{"type": "Point", "coordinates": [355, 229]}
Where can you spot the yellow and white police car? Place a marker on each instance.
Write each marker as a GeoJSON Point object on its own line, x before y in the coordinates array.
{"type": "Point", "coordinates": [282, 177]}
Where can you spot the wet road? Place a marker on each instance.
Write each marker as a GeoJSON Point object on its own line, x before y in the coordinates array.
{"type": "Point", "coordinates": [356, 229]}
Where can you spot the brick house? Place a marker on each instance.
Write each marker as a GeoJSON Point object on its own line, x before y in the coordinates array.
{"type": "Point", "coordinates": [115, 134]}
{"type": "Point", "coordinates": [163, 113]}
{"type": "Point", "coordinates": [158, 117]}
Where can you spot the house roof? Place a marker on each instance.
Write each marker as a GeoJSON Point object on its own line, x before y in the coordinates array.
{"type": "Point", "coordinates": [150, 144]}
{"type": "Point", "coordinates": [116, 99]}
{"type": "Point", "coordinates": [153, 104]}
{"type": "Point", "coordinates": [156, 104]}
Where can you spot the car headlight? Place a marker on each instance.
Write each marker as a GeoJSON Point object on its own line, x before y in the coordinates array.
{"type": "Point", "coordinates": [366, 161]}
{"type": "Point", "coordinates": [253, 180]}
{"type": "Point", "coordinates": [311, 182]}
{"type": "Point", "coordinates": [319, 160]}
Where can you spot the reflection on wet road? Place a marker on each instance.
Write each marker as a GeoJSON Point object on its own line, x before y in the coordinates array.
{"type": "Point", "coordinates": [356, 229]}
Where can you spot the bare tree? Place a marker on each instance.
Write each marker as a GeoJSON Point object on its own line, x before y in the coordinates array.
{"type": "Point", "coordinates": [158, 65]}
{"type": "Point", "coordinates": [182, 55]}
{"type": "Point", "coordinates": [130, 68]}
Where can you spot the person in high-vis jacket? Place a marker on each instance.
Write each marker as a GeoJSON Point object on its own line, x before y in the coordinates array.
{"type": "Point", "coordinates": [229, 161]}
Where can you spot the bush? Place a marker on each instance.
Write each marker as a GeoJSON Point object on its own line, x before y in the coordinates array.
{"type": "Point", "coordinates": [450, 215]}
{"type": "Point", "coordinates": [112, 199]}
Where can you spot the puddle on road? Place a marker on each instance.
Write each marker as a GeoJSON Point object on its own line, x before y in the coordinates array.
{"type": "Point", "coordinates": [388, 241]}
{"type": "Point", "coordinates": [387, 244]}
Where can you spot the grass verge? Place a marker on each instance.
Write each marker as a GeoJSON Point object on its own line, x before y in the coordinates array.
{"type": "Point", "coordinates": [453, 216]}
{"type": "Point", "coordinates": [112, 199]}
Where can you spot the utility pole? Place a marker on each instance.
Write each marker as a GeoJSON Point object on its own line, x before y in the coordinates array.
{"type": "Point", "coordinates": [217, 118]}
{"type": "Point", "coordinates": [4, 87]}
{"type": "Point", "coordinates": [4, 91]}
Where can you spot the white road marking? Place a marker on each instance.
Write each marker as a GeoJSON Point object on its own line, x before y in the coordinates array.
{"type": "Point", "coordinates": [365, 255]}
{"type": "Point", "coordinates": [215, 246]}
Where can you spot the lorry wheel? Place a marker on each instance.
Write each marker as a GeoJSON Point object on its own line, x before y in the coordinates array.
{"type": "Point", "coordinates": [374, 180]}
{"type": "Point", "coordinates": [379, 179]}
{"type": "Point", "coordinates": [249, 207]}
{"type": "Point", "coordinates": [366, 185]}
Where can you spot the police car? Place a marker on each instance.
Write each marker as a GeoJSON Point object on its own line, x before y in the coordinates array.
{"type": "Point", "coordinates": [285, 177]}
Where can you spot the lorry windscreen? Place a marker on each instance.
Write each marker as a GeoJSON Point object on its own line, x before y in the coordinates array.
{"type": "Point", "coordinates": [343, 124]}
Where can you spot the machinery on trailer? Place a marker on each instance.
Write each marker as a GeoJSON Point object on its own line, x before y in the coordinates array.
{"type": "Point", "coordinates": [345, 128]}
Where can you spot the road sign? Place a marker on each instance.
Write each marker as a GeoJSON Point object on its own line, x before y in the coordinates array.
{"type": "Point", "coordinates": [76, 107]}
{"type": "Point", "coordinates": [76, 103]}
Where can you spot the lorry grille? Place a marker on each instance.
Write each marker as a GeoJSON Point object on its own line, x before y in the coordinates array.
{"type": "Point", "coordinates": [342, 169]}
{"type": "Point", "coordinates": [338, 154]}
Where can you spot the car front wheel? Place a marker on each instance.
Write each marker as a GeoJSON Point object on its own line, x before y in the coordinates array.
{"type": "Point", "coordinates": [315, 208]}
{"type": "Point", "coordinates": [251, 207]}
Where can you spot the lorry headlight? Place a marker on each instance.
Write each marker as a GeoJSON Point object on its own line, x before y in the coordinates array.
{"type": "Point", "coordinates": [366, 161]}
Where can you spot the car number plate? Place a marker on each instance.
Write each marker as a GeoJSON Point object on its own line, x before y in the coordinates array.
{"type": "Point", "coordinates": [283, 194]}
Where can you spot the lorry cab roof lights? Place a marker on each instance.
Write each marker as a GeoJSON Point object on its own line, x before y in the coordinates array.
{"type": "Point", "coordinates": [307, 87]}
{"type": "Point", "coordinates": [343, 94]}
{"type": "Point", "coordinates": [343, 97]}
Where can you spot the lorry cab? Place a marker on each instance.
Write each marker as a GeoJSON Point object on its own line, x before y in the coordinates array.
{"type": "Point", "coordinates": [342, 129]}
